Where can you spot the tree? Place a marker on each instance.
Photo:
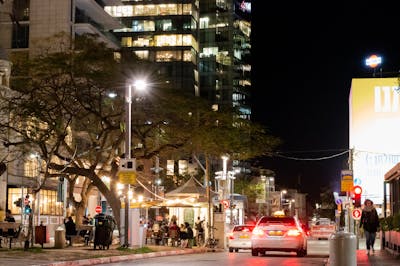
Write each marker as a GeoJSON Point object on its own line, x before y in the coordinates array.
{"type": "Point", "coordinates": [61, 111]}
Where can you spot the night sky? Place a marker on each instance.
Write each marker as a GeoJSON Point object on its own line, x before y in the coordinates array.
{"type": "Point", "coordinates": [304, 57]}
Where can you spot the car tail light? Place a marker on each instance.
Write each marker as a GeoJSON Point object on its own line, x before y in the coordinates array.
{"type": "Point", "coordinates": [293, 232]}
{"type": "Point", "coordinates": [231, 236]}
{"type": "Point", "coordinates": [258, 232]}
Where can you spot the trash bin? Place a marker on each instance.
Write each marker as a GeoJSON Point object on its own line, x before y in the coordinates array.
{"type": "Point", "coordinates": [59, 237]}
{"type": "Point", "coordinates": [103, 232]}
{"type": "Point", "coordinates": [40, 235]}
{"type": "Point", "coordinates": [343, 249]}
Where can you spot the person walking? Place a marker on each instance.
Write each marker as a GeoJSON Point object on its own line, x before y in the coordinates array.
{"type": "Point", "coordinates": [369, 222]}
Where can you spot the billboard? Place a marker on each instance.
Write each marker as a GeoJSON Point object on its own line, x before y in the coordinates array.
{"type": "Point", "coordinates": [374, 132]}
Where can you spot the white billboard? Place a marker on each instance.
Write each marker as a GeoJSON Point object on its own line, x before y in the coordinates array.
{"type": "Point", "coordinates": [374, 132]}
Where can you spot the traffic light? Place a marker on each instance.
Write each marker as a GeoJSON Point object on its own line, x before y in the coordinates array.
{"type": "Point", "coordinates": [27, 209]}
{"type": "Point", "coordinates": [357, 190]}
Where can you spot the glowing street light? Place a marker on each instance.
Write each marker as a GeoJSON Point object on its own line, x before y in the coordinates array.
{"type": "Point", "coordinates": [139, 85]}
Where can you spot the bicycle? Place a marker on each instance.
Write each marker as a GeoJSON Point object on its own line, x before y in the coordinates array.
{"type": "Point", "coordinates": [211, 242]}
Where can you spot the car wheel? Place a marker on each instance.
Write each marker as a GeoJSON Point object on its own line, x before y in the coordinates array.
{"type": "Point", "coordinates": [301, 253]}
{"type": "Point", "coordinates": [254, 252]}
{"type": "Point", "coordinates": [230, 249]}
{"type": "Point", "coordinates": [237, 250]}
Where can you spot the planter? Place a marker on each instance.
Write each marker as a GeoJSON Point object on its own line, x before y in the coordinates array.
{"type": "Point", "coordinates": [395, 237]}
{"type": "Point", "coordinates": [392, 240]}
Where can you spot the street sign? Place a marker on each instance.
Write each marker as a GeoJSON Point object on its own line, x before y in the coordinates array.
{"type": "Point", "coordinates": [127, 177]}
{"type": "Point", "coordinates": [225, 203]}
{"type": "Point", "coordinates": [347, 182]}
{"type": "Point", "coordinates": [98, 209]}
{"type": "Point", "coordinates": [356, 214]}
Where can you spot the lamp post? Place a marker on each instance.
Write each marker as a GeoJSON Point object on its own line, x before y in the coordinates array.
{"type": "Point", "coordinates": [270, 187]}
{"type": "Point", "coordinates": [282, 192]}
{"type": "Point", "coordinates": [139, 85]}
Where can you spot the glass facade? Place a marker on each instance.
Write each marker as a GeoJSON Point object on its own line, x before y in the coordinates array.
{"type": "Point", "coordinates": [224, 56]}
{"type": "Point", "coordinates": [48, 201]}
{"type": "Point", "coordinates": [164, 32]}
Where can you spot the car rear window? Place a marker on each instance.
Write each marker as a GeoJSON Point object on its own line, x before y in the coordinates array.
{"type": "Point", "coordinates": [277, 220]}
{"type": "Point", "coordinates": [243, 228]}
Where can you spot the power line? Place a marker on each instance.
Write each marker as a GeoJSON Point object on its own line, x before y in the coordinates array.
{"type": "Point", "coordinates": [311, 159]}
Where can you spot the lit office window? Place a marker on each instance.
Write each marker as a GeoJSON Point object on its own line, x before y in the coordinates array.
{"type": "Point", "coordinates": [142, 54]}
{"type": "Point", "coordinates": [187, 56]}
{"type": "Point", "coordinates": [126, 41]}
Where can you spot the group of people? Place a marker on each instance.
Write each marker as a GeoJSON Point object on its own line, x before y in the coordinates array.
{"type": "Point", "coordinates": [182, 234]}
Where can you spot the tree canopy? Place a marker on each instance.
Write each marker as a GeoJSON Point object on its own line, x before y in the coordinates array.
{"type": "Point", "coordinates": [60, 108]}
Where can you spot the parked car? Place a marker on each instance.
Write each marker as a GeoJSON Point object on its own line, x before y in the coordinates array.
{"type": "Point", "coordinates": [278, 233]}
{"type": "Point", "coordinates": [240, 237]}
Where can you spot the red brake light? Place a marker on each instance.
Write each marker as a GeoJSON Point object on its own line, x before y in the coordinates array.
{"type": "Point", "coordinates": [293, 232]}
{"type": "Point", "coordinates": [230, 235]}
{"type": "Point", "coordinates": [258, 232]}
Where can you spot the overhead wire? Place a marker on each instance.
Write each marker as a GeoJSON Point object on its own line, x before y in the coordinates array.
{"type": "Point", "coordinates": [311, 159]}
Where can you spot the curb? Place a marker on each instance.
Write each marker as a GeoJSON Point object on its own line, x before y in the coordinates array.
{"type": "Point", "coordinates": [120, 258]}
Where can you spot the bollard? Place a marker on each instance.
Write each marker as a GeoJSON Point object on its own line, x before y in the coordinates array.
{"type": "Point", "coordinates": [59, 237]}
{"type": "Point", "coordinates": [343, 249]}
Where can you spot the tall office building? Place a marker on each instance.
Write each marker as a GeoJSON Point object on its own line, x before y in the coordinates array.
{"type": "Point", "coordinates": [164, 32]}
{"type": "Point", "coordinates": [225, 50]}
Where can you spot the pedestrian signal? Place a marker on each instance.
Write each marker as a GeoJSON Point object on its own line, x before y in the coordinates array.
{"type": "Point", "coordinates": [357, 190]}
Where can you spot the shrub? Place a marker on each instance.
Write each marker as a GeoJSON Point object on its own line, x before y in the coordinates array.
{"type": "Point", "coordinates": [390, 223]}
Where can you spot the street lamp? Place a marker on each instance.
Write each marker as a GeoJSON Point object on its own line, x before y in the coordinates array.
{"type": "Point", "coordinates": [139, 85]}
{"type": "Point", "coordinates": [282, 192]}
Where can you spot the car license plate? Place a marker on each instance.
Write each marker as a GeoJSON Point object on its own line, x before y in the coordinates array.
{"type": "Point", "coordinates": [275, 233]}
{"type": "Point", "coordinates": [244, 236]}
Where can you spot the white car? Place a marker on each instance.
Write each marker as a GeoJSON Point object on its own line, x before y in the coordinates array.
{"type": "Point", "coordinates": [240, 237]}
{"type": "Point", "coordinates": [280, 233]}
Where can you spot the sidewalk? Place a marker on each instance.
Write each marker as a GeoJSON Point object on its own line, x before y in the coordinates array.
{"type": "Point", "coordinates": [83, 255]}
{"type": "Point", "coordinates": [380, 257]}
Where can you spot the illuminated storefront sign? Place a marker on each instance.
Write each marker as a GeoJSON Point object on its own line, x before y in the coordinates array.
{"type": "Point", "coordinates": [374, 132]}
{"type": "Point", "coordinates": [373, 61]}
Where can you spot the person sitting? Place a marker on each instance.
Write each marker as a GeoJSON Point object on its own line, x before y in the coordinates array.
{"type": "Point", "coordinates": [70, 229]}
{"type": "Point", "coordinates": [10, 232]}
{"type": "Point", "coordinates": [9, 217]}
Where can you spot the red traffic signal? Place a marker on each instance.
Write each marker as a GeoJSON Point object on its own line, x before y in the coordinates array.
{"type": "Point", "coordinates": [357, 190]}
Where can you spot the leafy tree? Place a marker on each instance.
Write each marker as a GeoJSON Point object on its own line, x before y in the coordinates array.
{"type": "Point", "coordinates": [61, 111]}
